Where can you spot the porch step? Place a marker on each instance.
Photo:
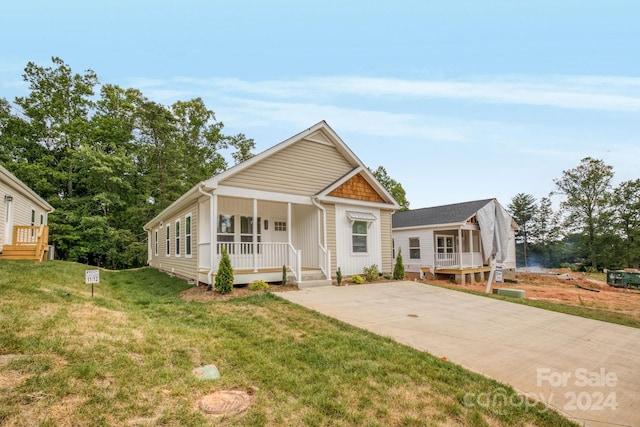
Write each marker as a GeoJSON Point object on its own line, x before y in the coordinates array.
{"type": "Point", "coordinates": [314, 283]}
{"type": "Point", "coordinates": [19, 252]}
{"type": "Point", "coordinates": [310, 275]}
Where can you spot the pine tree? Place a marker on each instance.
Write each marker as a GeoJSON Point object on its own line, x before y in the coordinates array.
{"type": "Point", "coordinates": [224, 276]}
{"type": "Point", "coordinates": [398, 269]}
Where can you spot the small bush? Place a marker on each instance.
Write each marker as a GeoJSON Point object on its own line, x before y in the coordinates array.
{"type": "Point", "coordinates": [387, 276]}
{"type": "Point", "coordinates": [284, 275]}
{"type": "Point", "coordinates": [224, 276]}
{"type": "Point", "coordinates": [371, 273]}
{"type": "Point", "coordinates": [339, 276]}
{"type": "Point", "coordinates": [357, 279]}
{"type": "Point", "coordinates": [258, 285]}
{"type": "Point", "coordinates": [398, 269]}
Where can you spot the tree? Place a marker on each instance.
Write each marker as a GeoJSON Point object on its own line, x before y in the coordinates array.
{"type": "Point", "coordinates": [57, 110]}
{"type": "Point", "coordinates": [626, 214]}
{"type": "Point", "coordinates": [392, 186]}
{"type": "Point", "coordinates": [398, 268]}
{"type": "Point", "coordinates": [522, 209]}
{"type": "Point", "coordinates": [224, 276]}
{"type": "Point", "coordinates": [586, 190]}
{"type": "Point", "coordinates": [243, 146]}
{"type": "Point", "coordinates": [545, 233]}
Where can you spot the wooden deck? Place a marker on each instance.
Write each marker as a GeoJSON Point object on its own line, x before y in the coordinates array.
{"type": "Point", "coordinates": [474, 274]}
{"type": "Point", "coordinates": [29, 242]}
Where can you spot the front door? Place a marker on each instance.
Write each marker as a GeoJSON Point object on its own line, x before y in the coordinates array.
{"type": "Point", "coordinates": [8, 225]}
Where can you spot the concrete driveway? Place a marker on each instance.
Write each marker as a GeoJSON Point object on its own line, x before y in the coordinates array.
{"type": "Point", "coordinates": [587, 369]}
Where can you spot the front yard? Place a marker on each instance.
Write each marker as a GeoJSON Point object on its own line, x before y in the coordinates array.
{"type": "Point", "coordinates": [127, 355]}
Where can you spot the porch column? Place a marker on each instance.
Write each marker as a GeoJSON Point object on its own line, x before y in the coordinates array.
{"type": "Point", "coordinates": [470, 243]}
{"type": "Point", "coordinates": [213, 220]}
{"type": "Point", "coordinates": [255, 235]}
{"type": "Point", "coordinates": [460, 245]}
{"type": "Point", "coordinates": [289, 223]}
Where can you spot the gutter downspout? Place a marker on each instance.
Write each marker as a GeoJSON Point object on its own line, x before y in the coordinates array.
{"type": "Point", "coordinates": [316, 203]}
{"type": "Point", "coordinates": [212, 249]}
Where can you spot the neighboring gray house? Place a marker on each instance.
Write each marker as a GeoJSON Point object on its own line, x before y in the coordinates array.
{"type": "Point", "coordinates": [450, 240]}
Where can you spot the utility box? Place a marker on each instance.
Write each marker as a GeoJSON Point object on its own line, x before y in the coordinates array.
{"type": "Point", "coordinates": [623, 279]}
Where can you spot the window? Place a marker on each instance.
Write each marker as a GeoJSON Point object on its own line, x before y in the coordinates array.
{"type": "Point", "coordinates": [187, 236]}
{"type": "Point", "coordinates": [246, 233]}
{"type": "Point", "coordinates": [359, 237]}
{"type": "Point", "coordinates": [279, 225]}
{"type": "Point", "coordinates": [177, 234]}
{"type": "Point", "coordinates": [155, 239]}
{"type": "Point", "coordinates": [414, 248]}
{"type": "Point", "coordinates": [226, 230]}
{"type": "Point", "coordinates": [168, 241]}
{"type": "Point", "coordinates": [41, 219]}
{"type": "Point", "coordinates": [444, 244]}
{"type": "Point", "coordinates": [33, 217]}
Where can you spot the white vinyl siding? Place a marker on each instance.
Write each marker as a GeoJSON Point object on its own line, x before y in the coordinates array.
{"type": "Point", "coordinates": [303, 168]}
{"type": "Point", "coordinates": [353, 262]}
{"type": "Point", "coordinates": [22, 204]}
{"type": "Point", "coordinates": [182, 266]}
{"type": "Point", "coordinates": [387, 241]}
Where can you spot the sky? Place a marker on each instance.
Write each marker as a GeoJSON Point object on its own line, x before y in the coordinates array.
{"type": "Point", "coordinates": [459, 100]}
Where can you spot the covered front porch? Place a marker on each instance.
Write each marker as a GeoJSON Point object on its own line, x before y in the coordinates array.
{"type": "Point", "coordinates": [458, 253]}
{"type": "Point", "coordinates": [261, 236]}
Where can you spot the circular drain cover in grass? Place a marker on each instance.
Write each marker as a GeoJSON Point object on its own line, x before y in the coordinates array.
{"type": "Point", "coordinates": [207, 372]}
{"type": "Point", "coordinates": [225, 402]}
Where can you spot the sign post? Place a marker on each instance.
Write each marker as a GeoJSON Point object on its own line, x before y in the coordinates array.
{"type": "Point", "coordinates": [499, 273]}
{"type": "Point", "coordinates": [92, 276]}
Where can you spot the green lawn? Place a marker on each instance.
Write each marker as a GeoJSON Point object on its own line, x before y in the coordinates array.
{"type": "Point", "coordinates": [125, 357]}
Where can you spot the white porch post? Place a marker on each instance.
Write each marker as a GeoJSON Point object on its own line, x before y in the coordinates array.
{"type": "Point", "coordinates": [289, 223]}
{"type": "Point", "coordinates": [255, 235]}
{"type": "Point", "coordinates": [470, 240]}
{"type": "Point", "coordinates": [460, 245]}
{"type": "Point", "coordinates": [213, 209]}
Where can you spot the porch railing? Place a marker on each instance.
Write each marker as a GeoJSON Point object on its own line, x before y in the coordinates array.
{"type": "Point", "coordinates": [250, 256]}
{"type": "Point", "coordinates": [32, 235]}
{"type": "Point", "coordinates": [452, 260]}
{"type": "Point", "coordinates": [324, 260]}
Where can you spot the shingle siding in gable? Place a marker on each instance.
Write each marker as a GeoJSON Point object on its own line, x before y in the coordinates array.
{"type": "Point", "coordinates": [304, 168]}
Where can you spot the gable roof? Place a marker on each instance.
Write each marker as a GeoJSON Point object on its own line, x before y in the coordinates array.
{"type": "Point", "coordinates": [320, 133]}
{"type": "Point", "coordinates": [446, 214]}
{"type": "Point", "coordinates": [15, 182]}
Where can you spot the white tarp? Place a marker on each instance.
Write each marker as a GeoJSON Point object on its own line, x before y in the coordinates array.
{"type": "Point", "coordinates": [495, 228]}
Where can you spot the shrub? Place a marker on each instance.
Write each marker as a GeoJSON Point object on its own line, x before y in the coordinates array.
{"type": "Point", "coordinates": [224, 277]}
{"type": "Point", "coordinates": [371, 273]}
{"type": "Point", "coordinates": [358, 280]}
{"type": "Point", "coordinates": [258, 285]}
{"type": "Point", "coordinates": [339, 276]}
{"type": "Point", "coordinates": [398, 269]}
{"type": "Point", "coordinates": [387, 276]}
{"type": "Point", "coordinates": [284, 275]}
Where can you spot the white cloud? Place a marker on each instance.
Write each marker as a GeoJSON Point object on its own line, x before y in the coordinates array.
{"type": "Point", "coordinates": [574, 92]}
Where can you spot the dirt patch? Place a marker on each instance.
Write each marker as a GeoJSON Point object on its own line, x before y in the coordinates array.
{"type": "Point", "coordinates": [563, 288]}
{"type": "Point", "coordinates": [200, 293]}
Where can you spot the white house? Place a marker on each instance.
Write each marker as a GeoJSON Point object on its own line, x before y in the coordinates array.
{"type": "Point", "coordinates": [456, 239]}
{"type": "Point", "coordinates": [308, 204]}
{"type": "Point", "coordinates": [24, 215]}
